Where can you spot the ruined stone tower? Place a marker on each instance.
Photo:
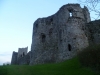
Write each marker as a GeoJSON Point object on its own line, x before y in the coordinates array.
{"type": "Point", "coordinates": [20, 57]}
{"type": "Point", "coordinates": [22, 52]}
{"type": "Point", "coordinates": [60, 36]}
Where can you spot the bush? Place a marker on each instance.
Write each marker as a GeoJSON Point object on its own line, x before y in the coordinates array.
{"type": "Point", "coordinates": [90, 57]}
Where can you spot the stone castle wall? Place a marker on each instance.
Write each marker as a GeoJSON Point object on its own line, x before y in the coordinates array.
{"type": "Point", "coordinates": [22, 52]}
{"type": "Point", "coordinates": [60, 36]}
{"type": "Point", "coordinates": [25, 60]}
{"type": "Point", "coordinates": [93, 30]}
{"type": "Point", "coordinates": [21, 57]}
{"type": "Point", "coordinates": [14, 58]}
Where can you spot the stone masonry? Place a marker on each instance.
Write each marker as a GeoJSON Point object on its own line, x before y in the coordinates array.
{"type": "Point", "coordinates": [22, 52]}
{"type": "Point", "coordinates": [60, 36]}
{"type": "Point", "coordinates": [20, 57]}
{"type": "Point", "coordinates": [14, 58]}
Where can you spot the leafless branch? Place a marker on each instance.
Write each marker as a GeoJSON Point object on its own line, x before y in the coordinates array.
{"type": "Point", "coordinates": [93, 6]}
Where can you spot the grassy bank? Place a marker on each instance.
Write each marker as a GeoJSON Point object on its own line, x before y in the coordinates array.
{"type": "Point", "coordinates": [90, 57]}
{"type": "Point", "coordinates": [69, 67]}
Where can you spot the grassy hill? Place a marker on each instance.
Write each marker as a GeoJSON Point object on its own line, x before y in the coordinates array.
{"type": "Point", "coordinates": [69, 67]}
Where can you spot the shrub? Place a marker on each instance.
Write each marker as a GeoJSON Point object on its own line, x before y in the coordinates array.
{"type": "Point", "coordinates": [90, 57]}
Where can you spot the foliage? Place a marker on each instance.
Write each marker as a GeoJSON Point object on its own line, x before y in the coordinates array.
{"type": "Point", "coordinates": [69, 67]}
{"type": "Point", "coordinates": [90, 57]}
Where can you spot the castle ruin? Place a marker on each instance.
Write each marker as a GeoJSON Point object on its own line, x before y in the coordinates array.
{"type": "Point", "coordinates": [59, 37]}
{"type": "Point", "coordinates": [20, 57]}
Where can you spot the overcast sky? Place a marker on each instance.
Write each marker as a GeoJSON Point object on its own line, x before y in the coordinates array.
{"type": "Point", "coordinates": [16, 22]}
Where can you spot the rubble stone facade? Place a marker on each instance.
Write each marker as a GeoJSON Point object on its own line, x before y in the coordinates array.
{"type": "Point", "coordinates": [21, 57]}
{"type": "Point", "coordinates": [60, 36]}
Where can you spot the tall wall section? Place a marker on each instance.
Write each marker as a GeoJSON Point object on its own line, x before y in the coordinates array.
{"type": "Point", "coordinates": [93, 32]}
{"type": "Point", "coordinates": [59, 36]}
{"type": "Point", "coordinates": [14, 58]}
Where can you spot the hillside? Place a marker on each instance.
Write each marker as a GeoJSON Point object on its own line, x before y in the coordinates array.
{"type": "Point", "coordinates": [69, 67]}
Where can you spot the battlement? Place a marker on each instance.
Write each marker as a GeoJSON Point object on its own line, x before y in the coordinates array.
{"type": "Point", "coordinates": [22, 52]}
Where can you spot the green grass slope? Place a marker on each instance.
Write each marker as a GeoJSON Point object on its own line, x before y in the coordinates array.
{"type": "Point", "coordinates": [69, 67]}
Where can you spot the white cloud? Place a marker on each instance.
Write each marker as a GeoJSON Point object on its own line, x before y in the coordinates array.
{"type": "Point", "coordinates": [5, 57]}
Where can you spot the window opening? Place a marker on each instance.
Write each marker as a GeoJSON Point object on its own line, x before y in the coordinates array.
{"type": "Point", "coordinates": [36, 25]}
{"type": "Point", "coordinates": [43, 37]}
{"type": "Point", "coordinates": [69, 47]}
{"type": "Point", "coordinates": [57, 47]}
{"type": "Point", "coordinates": [50, 31]}
{"type": "Point", "coordinates": [60, 35]}
{"type": "Point", "coordinates": [51, 19]}
{"type": "Point", "coordinates": [20, 55]}
{"type": "Point", "coordinates": [70, 14]}
{"type": "Point", "coordinates": [23, 54]}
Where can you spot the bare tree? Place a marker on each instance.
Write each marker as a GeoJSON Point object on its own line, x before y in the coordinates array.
{"type": "Point", "coordinates": [93, 6]}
